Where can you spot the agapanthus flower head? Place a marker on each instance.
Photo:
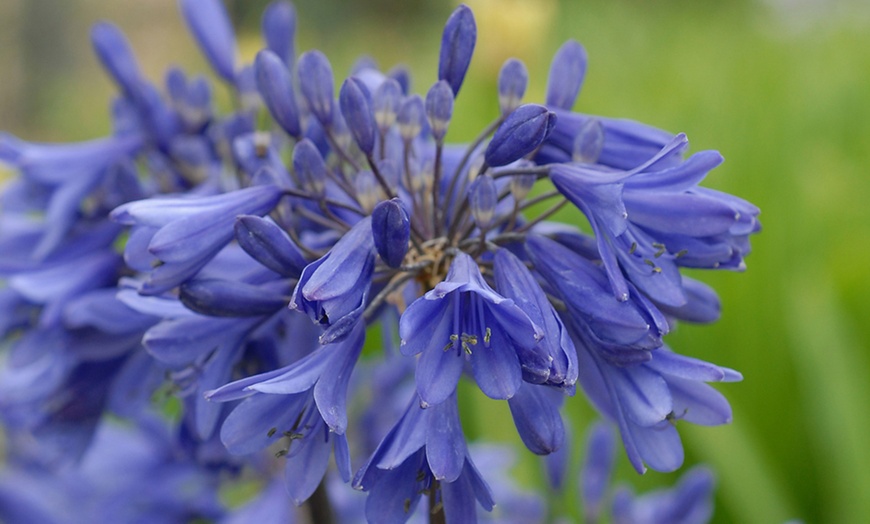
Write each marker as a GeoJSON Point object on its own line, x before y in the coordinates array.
{"type": "Point", "coordinates": [258, 256]}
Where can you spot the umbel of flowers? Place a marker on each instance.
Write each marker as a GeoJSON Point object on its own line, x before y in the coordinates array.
{"type": "Point", "coordinates": [236, 262]}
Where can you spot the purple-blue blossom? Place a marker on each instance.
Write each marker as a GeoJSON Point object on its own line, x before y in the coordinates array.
{"type": "Point", "coordinates": [310, 276]}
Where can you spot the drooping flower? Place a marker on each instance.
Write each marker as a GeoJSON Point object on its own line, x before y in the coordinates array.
{"type": "Point", "coordinates": [464, 319]}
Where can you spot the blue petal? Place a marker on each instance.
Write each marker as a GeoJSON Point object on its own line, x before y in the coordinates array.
{"type": "Point", "coordinates": [246, 429]}
{"type": "Point", "coordinates": [330, 392]}
{"type": "Point", "coordinates": [679, 213]}
{"type": "Point", "coordinates": [681, 177]}
{"type": "Point", "coordinates": [438, 374]}
{"type": "Point", "coordinates": [445, 441]}
{"type": "Point", "coordinates": [425, 323]}
{"type": "Point", "coordinates": [643, 394]}
{"type": "Point", "coordinates": [404, 439]}
{"type": "Point", "coordinates": [699, 403]}
{"type": "Point", "coordinates": [496, 368]}
{"type": "Point", "coordinates": [673, 364]}
{"type": "Point", "coordinates": [660, 446]}
{"type": "Point", "coordinates": [181, 341]}
{"type": "Point", "coordinates": [395, 491]}
{"type": "Point", "coordinates": [535, 410]}
{"type": "Point", "coordinates": [307, 465]}
{"type": "Point", "coordinates": [184, 238]}
{"type": "Point", "coordinates": [344, 266]}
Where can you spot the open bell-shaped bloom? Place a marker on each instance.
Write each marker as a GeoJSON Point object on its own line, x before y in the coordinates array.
{"type": "Point", "coordinates": [462, 319]}
{"type": "Point", "coordinates": [424, 451]}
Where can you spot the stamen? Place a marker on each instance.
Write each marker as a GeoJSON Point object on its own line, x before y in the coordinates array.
{"type": "Point", "coordinates": [660, 249]}
{"type": "Point", "coordinates": [633, 248]}
{"type": "Point", "coordinates": [271, 432]}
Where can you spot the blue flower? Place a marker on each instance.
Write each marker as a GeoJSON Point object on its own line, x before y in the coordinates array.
{"type": "Point", "coordinates": [646, 400]}
{"type": "Point", "coordinates": [183, 234]}
{"type": "Point", "coordinates": [649, 219]}
{"type": "Point", "coordinates": [425, 452]}
{"type": "Point", "coordinates": [464, 319]}
{"type": "Point", "coordinates": [304, 402]}
{"type": "Point", "coordinates": [332, 290]}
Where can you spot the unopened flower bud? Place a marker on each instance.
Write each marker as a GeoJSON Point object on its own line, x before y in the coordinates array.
{"type": "Point", "coordinates": [316, 84]}
{"type": "Point", "coordinates": [210, 24]}
{"type": "Point", "coordinates": [566, 75]}
{"type": "Point", "coordinates": [279, 29]}
{"type": "Point", "coordinates": [391, 229]}
{"type": "Point", "coordinates": [589, 142]}
{"type": "Point", "coordinates": [521, 185]}
{"type": "Point", "coordinates": [410, 117]}
{"type": "Point", "coordinates": [512, 81]}
{"type": "Point", "coordinates": [276, 88]}
{"type": "Point", "coordinates": [457, 46]}
{"type": "Point", "coordinates": [385, 104]}
{"type": "Point", "coordinates": [439, 108]}
{"type": "Point", "coordinates": [483, 197]}
{"type": "Point", "coordinates": [355, 107]}
{"type": "Point", "coordinates": [523, 131]}
{"type": "Point", "coordinates": [309, 166]}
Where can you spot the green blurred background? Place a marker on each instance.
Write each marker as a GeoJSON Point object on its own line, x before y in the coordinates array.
{"type": "Point", "coordinates": [780, 87]}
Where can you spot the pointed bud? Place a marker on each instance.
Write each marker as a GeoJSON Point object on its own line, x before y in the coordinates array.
{"type": "Point", "coordinates": [117, 57]}
{"type": "Point", "coordinates": [269, 245]}
{"type": "Point", "coordinates": [439, 108]}
{"type": "Point", "coordinates": [521, 185]}
{"type": "Point", "coordinates": [211, 27]}
{"type": "Point", "coordinates": [401, 75]}
{"type": "Point", "coordinates": [589, 142]}
{"type": "Point", "coordinates": [391, 229]}
{"type": "Point", "coordinates": [523, 131]}
{"type": "Point", "coordinates": [566, 75]}
{"type": "Point", "coordinates": [276, 88]}
{"type": "Point", "coordinates": [279, 30]}
{"type": "Point", "coordinates": [316, 84]}
{"type": "Point", "coordinates": [362, 64]}
{"type": "Point", "coordinates": [356, 109]}
{"type": "Point", "coordinates": [483, 197]}
{"type": "Point", "coordinates": [457, 46]}
{"type": "Point", "coordinates": [368, 191]}
{"type": "Point", "coordinates": [411, 116]}
{"type": "Point", "coordinates": [199, 91]}
{"type": "Point", "coordinates": [512, 81]}
{"type": "Point", "coordinates": [309, 166]}
{"type": "Point", "coordinates": [385, 104]}
{"type": "Point", "coordinates": [226, 298]}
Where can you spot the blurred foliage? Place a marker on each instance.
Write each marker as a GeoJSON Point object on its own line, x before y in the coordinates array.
{"type": "Point", "coordinates": [780, 88]}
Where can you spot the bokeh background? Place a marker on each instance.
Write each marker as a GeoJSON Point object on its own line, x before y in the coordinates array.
{"type": "Point", "coordinates": [780, 87]}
